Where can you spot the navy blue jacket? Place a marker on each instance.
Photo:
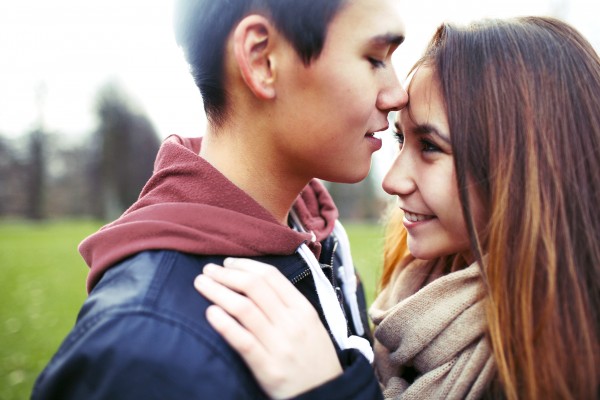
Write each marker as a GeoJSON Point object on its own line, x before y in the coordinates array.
{"type": "Point", "coordinates": [142, 334]}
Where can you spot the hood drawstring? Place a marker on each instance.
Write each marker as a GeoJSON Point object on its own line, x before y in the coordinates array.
{"type": "Point", "coordinates": [347, 275]}
{"type": "Point", "coordinates": [331, 308]}
{"type": "Point", "coordinates": [329, 302]}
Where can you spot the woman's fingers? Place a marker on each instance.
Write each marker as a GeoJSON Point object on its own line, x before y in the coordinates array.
{"type": "Point", "coordinates": [270, 275]}
{"type": "Point", "coordinates": [267, 293]}
{"type": "Point", "coordinates": [248, 297]}
{"type": "Point", "coordinates": [264, 365]}
{"type": "Point", "coordinates": [281, 373]}
{"type": "Point", "coordinates": [236, 335]}
{"type": "Point", "coordinates": [268, 321]}
{"type": "Point", "coordinates": [262, 283]}
{"type": "Point", "coordinates": [237, 306]}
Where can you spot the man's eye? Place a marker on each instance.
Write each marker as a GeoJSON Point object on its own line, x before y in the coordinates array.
{"type": "Point", "coordinates": [376, 63]}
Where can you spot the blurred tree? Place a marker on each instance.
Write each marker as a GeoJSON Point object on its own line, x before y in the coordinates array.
{"type": "Point", "coordinates": [6, 164]}
{"type": "Point", "coordinates": [13, 177]}
{"type": "Point", "coordinates": [36, 175]}
{"type": "Point", "coordinates": [36, 164]}
{"type": "Point", "coordinates": [125, 146]}
{"type": "Point", "coordinates": [68, 180]}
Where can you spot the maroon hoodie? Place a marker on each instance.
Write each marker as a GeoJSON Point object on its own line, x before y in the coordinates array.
{"type": "Point", "coordinates": [189, 206]}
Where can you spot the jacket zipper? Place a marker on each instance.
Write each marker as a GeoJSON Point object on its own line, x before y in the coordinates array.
{"type": "Point", "coordinates": [301, 276]}
{"type": "Point", "coordinates": [335, 246]}
{"type": "Point", "coordinates": [333, 271]}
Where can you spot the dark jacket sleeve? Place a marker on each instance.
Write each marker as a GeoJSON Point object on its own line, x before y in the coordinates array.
{"type": "Point", "coordinates": [139, 356]}
{"type": "Point", "coordinates": [358, 381]}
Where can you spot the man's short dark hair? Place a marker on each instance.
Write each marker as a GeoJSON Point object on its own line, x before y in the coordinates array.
{"type": "Point", "coordinates": [202, 28]}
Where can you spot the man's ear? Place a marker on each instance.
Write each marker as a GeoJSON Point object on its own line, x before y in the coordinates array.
{"type": "Point", "coordinates": [253, 40]}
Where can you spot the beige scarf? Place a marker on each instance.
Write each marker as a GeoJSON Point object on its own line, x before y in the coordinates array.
{"type": "Point", "coordinates": [435, 324]}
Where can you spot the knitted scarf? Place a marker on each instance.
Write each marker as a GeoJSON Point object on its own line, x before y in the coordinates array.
{"type": "Point", "coordinates": [433, 325]}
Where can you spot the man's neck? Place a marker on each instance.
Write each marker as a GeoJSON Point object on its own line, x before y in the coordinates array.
{"type": "Point", "coordinates": [242, 159]}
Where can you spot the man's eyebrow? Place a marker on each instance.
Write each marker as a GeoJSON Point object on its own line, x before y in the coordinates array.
{"type": "Point", "coordinates": [426, 129]}
{"type": "Point", "coordinates": [388, 39]}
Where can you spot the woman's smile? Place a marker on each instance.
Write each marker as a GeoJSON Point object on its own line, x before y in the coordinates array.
{"type": "Point", "coordinates": [414, 217]}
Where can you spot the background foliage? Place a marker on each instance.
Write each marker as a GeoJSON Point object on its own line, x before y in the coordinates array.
{"type": "Point", "coordinates": [43, 175]}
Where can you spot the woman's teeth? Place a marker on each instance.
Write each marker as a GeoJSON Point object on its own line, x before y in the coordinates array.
{"type": "Point", "coordinates": [416, 217]}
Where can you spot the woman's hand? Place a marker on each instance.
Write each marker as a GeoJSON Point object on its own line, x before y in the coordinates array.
{"type": "Point", "coordinates": [270, 324]}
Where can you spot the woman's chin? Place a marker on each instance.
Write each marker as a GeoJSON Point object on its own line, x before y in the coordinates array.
{"type": "Point", "coordinates": [423, 252]}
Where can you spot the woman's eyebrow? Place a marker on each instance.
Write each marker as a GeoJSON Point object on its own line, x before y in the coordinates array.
{"type": "Point", "coordinates": [426, 129]}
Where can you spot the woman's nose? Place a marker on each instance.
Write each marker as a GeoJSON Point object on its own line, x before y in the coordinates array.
{"type": "Point", "coordinates": [399, 179]}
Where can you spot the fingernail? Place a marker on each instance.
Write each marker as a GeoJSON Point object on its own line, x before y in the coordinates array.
{"type": "Point", "coordinates": [200, 281]}
{"type": "Point", "coordinates": [213, 312]}
{"type": "Point", "coordinates": [209, 269]}
{"type": "Point", "coordinates": [229, 261]}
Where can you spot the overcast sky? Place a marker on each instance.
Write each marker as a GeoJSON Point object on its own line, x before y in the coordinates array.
{"type": "Point", "coordinates": [55, 54]}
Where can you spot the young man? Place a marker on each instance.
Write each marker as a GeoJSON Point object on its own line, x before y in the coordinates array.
{"type": "Point", "coordinates": [293, 90]}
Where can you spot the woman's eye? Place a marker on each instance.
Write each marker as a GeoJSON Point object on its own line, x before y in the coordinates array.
{"type": "Point", "coordinates": [429, 147]}
{"type": "Point", "coordinates": [376, 63]}
{"type": "Point", "coordinates": [400, 138]}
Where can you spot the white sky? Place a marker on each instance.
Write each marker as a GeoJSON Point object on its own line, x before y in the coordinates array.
{"type": "Point", "coordinates": [71, 47]}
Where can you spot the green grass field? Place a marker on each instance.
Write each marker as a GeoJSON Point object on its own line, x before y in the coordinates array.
{"type": "Point", "coordinates": [43, 287]}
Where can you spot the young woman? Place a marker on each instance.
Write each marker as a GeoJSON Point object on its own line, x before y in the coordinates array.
{"type": "Point", "coordinates": [491, 283]}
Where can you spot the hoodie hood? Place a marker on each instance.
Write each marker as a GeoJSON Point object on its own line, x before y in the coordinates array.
{"type": "Point", "coordinates": [189, 206]}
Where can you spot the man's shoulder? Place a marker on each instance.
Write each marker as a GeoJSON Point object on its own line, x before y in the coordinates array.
{"type": "Point", "coordinates": [159, 286]}
{"type": "Point", "coordinates": [144, 322]}
{"type": "Point", "coordinates": [162, 280]}
{"type": "Point", "coordinates": [156, 281]}
{"type": "Point", "coordinates": [129, 352]}
{"type": "Point", "coordinates": [153, 289]}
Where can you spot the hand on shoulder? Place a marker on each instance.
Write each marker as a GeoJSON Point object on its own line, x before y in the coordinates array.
{"type": "Point", "coordinates": [275, 329]}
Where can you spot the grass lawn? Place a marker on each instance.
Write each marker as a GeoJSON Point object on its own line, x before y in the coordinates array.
{"type": "Point", "coordinates": [43, 287]}
{"type": "Point", "coordinates": [367, 252]}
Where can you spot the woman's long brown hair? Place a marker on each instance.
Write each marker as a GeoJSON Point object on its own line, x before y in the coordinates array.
{"type": "Point", "coordinates": [523, 104]}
